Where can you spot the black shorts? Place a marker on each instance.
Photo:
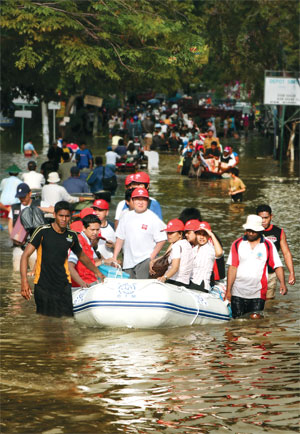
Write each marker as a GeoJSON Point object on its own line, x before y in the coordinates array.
{"type": "Point", "coordinates": [53, 303]}
{"type": "Point", "coordinates": [237, 197]}
{"type": "Point", "coordinates": [240, 306]}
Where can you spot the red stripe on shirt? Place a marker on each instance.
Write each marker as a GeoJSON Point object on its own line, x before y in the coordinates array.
{"type": "Point", "coordinates": [234, 252]}
{"type": "Point", "coordinates": [264, 283]}
{"type": "Point", "coordinates": [270, 254]}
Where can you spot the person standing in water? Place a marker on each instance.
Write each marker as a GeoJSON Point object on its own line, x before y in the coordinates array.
{"type": "Point", "coordinates": [247, 277]}
{"type": "Point", "coordinates": [52, 290]}
{"type": "Point", "coordinates": [277, 236]}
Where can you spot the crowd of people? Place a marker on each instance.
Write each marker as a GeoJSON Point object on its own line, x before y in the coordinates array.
{"type": "Point", "coordinates": [194, 256]}
{"type": "Point", "coordinates": [66, 250]}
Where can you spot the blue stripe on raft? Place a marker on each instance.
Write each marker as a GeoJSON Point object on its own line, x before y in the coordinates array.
{"type": "Point", "coordinates": [153, 304]}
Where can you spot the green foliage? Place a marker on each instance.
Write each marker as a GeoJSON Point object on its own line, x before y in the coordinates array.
{"type": "Point", "coordinates": [248, 37]}
{"type": "Point", "coordinates": [100, 43]}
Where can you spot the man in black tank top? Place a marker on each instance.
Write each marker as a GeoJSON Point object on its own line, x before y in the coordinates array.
{"type": "Point", "coordinates": [277, 236]}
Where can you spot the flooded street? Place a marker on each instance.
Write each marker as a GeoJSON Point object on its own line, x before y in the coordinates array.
{"type": "Point", "coordinates": [239, 377]}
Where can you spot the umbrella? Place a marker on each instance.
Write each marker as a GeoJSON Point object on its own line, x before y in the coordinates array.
{"type": "Point", "coordinates": [154, 101]}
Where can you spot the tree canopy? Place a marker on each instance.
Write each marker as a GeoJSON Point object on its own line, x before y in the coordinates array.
{"type": "Point", "coordinates": [116, 46]}
{"type": "Point", "coordinates": [100, 44]}
{"type": "Point", "coordinates": [248, 37]}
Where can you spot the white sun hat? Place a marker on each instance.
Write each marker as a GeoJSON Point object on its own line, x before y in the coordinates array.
{"type": "Point", "coordinates": [53, 177]}
{"type": "Point", "coordinates": [254, 223]}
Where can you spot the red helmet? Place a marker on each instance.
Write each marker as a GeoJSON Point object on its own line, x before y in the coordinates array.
{"type": "Point", "coordinates": [77, 226]}
{"type": "Point", "coordinates": [140, 192]}
{"type": "Point", "coordinates": [129, 179]}
{"type": "Point", "coordinates": [141, 177]}
{"type": "Point", "coordinates": [100, 204]}
{"type": "Point", "coordinates": [86, 211]}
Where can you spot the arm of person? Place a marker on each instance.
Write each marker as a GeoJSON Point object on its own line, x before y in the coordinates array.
{"type": "Point", "coordinates": [231, 276]}
{"type": "Point", "coordinates": [88, 263]}
{"type": "Point", "coordinates": [280, 276]}
{"type": "Point", "coordinates": [238, 191]}
{"type": "Point", "coordinates": [217, 246]}
{"type": "Point", "coordinates": [71, 199]}
{"type": "Point", "coordinates": [25, 287]}
{"type": "Point", "coordinates": [75, 276]}
{"type": "Point", "coordinates": [10, 226]}
{"type": "Point", "coordinates": [48, 209]}
{"type": "Point", "coordinates": [118, 246]}
{"type": "Point", "coordinates": [173, 270]}
{"type": "Point", "coordinates": [157, 249]}
{"type": "Point", "coordinates": [287, 258]}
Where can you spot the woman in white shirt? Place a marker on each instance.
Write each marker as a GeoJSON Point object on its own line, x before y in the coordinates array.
{"type": "Point", "coordinates": [205, 252]}
{"type": "Point", "coordinates": [180, 258]}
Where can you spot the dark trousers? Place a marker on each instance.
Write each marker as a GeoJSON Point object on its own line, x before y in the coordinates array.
{"type": "Point", "coordinates": [53, 303]}
{"type": "Point", "coordinates": [237, 197]}
{"type": "Point", "coordinates": [240, 306]}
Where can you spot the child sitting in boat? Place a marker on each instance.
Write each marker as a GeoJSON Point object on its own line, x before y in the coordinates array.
{"type": "Point", "coordinates": [180, 255]}
{"type": "Point", "coordinates": [204, 255]}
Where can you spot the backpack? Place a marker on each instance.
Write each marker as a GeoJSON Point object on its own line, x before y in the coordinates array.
{"type": "Point", "coordinates": [110, 183]}
{"type": "Point", "coordinates": [31, 218]}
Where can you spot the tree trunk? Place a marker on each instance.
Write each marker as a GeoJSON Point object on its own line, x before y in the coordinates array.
{"type": "Point", "coordinates": [70, 103]}
{"type": "Point", "coordinates": [96, 122]}
{"type": "Point", "coordinates": [45, 127]}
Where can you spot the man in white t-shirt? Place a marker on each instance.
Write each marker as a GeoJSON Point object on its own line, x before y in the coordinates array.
{"type": "Point", "coordinates": [111, 157]}
{"type": "Point", "coordinates": [247, 278]}
{"type": "Point", "coordinates": [34, 179]}
{"type": "Point", "coordinates": [53, 193]}
{"type": "Point", "coordinates": [140, 235]}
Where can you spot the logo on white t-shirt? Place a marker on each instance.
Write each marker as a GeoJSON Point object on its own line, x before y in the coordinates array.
{"type": "Point", "coordinates": [145, 227]}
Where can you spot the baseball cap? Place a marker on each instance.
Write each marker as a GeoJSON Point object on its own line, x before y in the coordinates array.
{"type": "Point", "coordinates": [22, 190]}
{"type": "Point", "coordinates": [100, 204]}
{"type": "Point", "coordinates": [141, 177]}
{"type": "Point", "coordinates": [192, 225]}
{"type": "Point", "coordinates": [86, 211]}
{"type": "Point", "coordinates": [174, 226]}
{"type": "Point", "coordinates": [140, 192]}
{"type": "Point", "coordinates": [203, 226]}
{"type": "Point", "coordinates": [227, 149]}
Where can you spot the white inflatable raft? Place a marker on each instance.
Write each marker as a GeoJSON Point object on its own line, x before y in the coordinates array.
{"type": "Point", "coordinates": [146, 304]}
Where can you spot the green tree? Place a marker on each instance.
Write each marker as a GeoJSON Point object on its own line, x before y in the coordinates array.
{"type": "Point", "coordinates": [248, 37]}
{"type": "Point", "coordinates": [106, 45]}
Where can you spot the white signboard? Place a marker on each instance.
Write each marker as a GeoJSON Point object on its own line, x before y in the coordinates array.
{"type": "Point", "coordinates": [23, 114]}
{"type": "Point", "coordinates": [53, 105]}
{"type": "Point", "coordinates": [93, 100]}
{"type": "Point", "coordinates": [282, 91]}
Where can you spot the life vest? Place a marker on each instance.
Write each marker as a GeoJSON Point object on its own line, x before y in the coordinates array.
{"type": "Point", "coordinates": [87, 275]}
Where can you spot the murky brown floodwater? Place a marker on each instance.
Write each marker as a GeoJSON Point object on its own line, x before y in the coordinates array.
{"type": "Point", "coordinates": [240, 377]}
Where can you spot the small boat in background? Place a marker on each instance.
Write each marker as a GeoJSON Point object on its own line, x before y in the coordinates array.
{"type": "Point", "coordinates": [146, 304]}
